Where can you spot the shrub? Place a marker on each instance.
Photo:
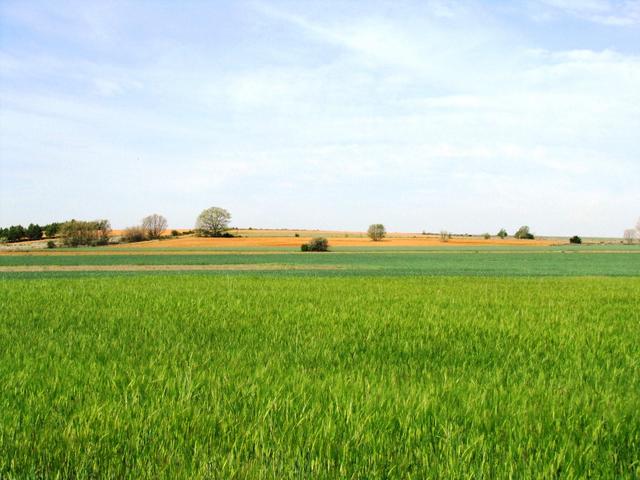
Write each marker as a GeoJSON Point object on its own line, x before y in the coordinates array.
{"type": "Point", "coordinates": [318, 244]}
{"type": "Point", "coordinates": [487, 236]}
{"type": "Point", "coordinates": [576, 240]}
{"type": "Point", "coordinates": [376, 232]}
{"type": "Point", "coordinates": [296, 235]}
{"type": "Point", "coordinates": [502, 233]}
{"type": "Point", "coordinates": [175, 233]}
{"type": "Point", "coordinates": [77, 232]}
{"type": "Point", "coordinates": [51, 244]}
{"type": "Point", "coordinates": [134, 234]}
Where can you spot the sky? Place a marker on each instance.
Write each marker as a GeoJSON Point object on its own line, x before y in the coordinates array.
{"type": "Point", "coordinates": [467, 116]}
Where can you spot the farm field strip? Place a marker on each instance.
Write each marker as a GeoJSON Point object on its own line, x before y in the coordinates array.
{"type": "Point", "coordinates": [149, 376]}
{"type": "Point", "coordinates": [488, 263]}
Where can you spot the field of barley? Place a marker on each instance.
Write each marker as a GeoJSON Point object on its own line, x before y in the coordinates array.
{"type": "Point", "coordinates": [406, 364]}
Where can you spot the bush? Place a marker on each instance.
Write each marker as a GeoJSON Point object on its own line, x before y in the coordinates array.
{"type": "Point", "coordinates": [376, 232]}
{"type": "Point", "coordinates": [502, 233]}
{"type": "Point", "coordinates": [487, 236]}
{"type": "Point", "coordinates": [77, 232]}
{"type": "Point", "coordinates": [134, 234]}
{"type": "Point", "coordinates": [175, 233]}
{"type": "Point", "coordinates": [51, 244]}
{"type": "Point", "coordinates": [576, 240]}
{"type": "Point", "coordinates": [318, 244]}
{"type": "Point", "coordinates": [296, 235]}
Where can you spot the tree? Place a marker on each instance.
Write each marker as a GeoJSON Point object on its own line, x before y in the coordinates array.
{"type": "Point", "coordinates": [51, 230]}
{"type": "Point", "coordinates": [503, 233]}
{"type": "Point", "coordinates": [524, 233]}
{"type": "Point", "coordinates": [15, 233]}
{"type": "Point", "coordinates": [376, 232]}
{"type": "Point", "coordinates": [576, 240]}
{"type": "Point", "coordinates": [487, 236]}
{"type": "Point", "coordinates": [629, 235]}
{"type": "Point", "coordinates": [212, 222]}
{"type": "Point", "coordinates": [445, 236]}
{"type": "Point", "coordinates": [153, 225]}
{"type": "Point", "coordinates": [34, 231]}
{"type": "Point", "coordinates": [638, 226]}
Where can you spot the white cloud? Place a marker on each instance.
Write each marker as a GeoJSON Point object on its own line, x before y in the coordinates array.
{"type": "Point", "coordinates": [606, 12]}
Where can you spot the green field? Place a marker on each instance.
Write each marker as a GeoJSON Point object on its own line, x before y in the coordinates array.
{"type": "Point", "coordinates": [468, 262]}
{"type": "Point", "coordinates": [395, 365]}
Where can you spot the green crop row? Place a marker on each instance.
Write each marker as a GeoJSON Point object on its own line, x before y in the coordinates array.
{"type": "Point", "coordinates": [470, 263]}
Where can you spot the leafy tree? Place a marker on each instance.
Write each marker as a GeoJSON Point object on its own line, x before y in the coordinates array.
{"type": "Point", "coordinates": [34, 231]}
{"type": "Point", "coordinates": [576, 240]}
{"type": "Point", "coordinates": [212, 222]}
{"type": "Point", "coordinates": [524, 233]}
{"type": "Point", "coordinates": [15, 233]}
{"type": "Point", "coordinates": [503, 233]}
{"type": "Point", "coordinates": [376, 232]}
{"type": "Point", "coordinates": [153, 225]}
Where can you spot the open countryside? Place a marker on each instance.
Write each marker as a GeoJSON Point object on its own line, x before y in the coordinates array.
{"type": "Point", "coordinates": [283, 240]}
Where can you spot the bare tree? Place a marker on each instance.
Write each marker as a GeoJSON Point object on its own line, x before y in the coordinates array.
{"type": "Point", "coordinates": [153, 225]}
{"type": "Point", "coordinates": [638, 227]}
{"type": "Point", "coordinates": [212, 222]}
{"type": "Point", "coordinates": [445, 236]}
{"type": "Point", "coordinates": [629, 235]}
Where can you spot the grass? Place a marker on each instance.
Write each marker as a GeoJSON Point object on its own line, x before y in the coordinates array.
{"type": "Point", "coordinates": [472, 263]}
{"type": "Point", "coordinates": [280, 377]}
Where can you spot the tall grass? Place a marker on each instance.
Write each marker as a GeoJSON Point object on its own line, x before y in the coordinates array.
{"type": "Point", "coordinates": [275, 377]}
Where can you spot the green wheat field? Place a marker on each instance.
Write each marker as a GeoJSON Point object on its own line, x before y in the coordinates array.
{"type": "Point", "coordinates": [389, 365]}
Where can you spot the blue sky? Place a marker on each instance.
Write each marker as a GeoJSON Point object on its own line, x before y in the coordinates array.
{"type": "Point", "coordinates": [422, 115]}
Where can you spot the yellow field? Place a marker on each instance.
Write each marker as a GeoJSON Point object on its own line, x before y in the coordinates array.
{"type": "Point", "coordinates": [286, 238]}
